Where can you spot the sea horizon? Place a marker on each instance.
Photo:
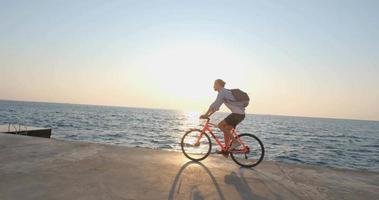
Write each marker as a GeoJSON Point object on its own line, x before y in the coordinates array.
{"type": "Point", "coordinates": [184, 110]}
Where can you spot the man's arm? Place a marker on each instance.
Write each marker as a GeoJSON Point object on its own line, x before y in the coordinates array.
{"type": "Point", "coordinates": [208, 113]}
{"type": "Point", "coordinates": [215, 106]}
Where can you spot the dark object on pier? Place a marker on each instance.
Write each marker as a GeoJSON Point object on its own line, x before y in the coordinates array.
{"type": "Point", "coordinates": [25, 130]}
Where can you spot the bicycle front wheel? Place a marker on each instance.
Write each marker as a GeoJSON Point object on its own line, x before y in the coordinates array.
{"type": "Point", "coordinates": [252, 155]}
{"type": "Point", "coordinates": [196, 145]}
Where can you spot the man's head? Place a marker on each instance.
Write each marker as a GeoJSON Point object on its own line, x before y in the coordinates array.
{"type": "Point", "coordinates": [218, 84]}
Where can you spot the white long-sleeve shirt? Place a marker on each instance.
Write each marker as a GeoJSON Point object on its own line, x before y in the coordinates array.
{"type": "Point", "coordinates": [226, 96]}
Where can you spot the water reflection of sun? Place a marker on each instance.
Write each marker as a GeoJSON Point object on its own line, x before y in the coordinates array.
{"type": "Point", "coordinates": [190, 119]}
{"type": "Point", "coordinates": [192, 116]}
{"type": "Point", "coordinates": [185, 121]}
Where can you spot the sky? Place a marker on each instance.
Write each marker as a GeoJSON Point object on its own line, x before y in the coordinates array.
{"type": "Point", "coordinates": [301, 58]}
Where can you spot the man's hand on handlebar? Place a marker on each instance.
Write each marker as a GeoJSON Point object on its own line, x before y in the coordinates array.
{"type": "Point", "coordinates": [204, 117]}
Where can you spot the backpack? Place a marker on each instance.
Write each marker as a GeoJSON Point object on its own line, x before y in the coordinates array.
{"type": "Point", "coordinates": [241, 96]}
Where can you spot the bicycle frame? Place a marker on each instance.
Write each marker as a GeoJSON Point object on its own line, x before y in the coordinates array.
{"type": "Point", "coordinates": [224, 147]}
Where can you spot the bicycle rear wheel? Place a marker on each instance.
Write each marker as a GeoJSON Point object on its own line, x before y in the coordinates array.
{"type": "Point", "coordinates": [193, 151]}
{"type": "Point", "coordinates": [253, 156]}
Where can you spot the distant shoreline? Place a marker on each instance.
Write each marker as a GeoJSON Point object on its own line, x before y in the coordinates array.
{"type": "Point", "coordinates": [165, 109]}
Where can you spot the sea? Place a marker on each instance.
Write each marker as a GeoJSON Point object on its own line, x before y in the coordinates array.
{"type": "Point", "coordinates": [338, 143]}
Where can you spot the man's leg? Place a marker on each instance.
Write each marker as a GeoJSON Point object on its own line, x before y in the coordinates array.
{"type": "Point", "coordinates": [226, 128]}
{"type": "Point", "coordinates": [227, 125]}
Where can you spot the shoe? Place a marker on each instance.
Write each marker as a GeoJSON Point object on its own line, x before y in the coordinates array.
{"type": "Point", "coordinates": [223, 153]}
{"type": "Point", "coordinates": [234, 145]}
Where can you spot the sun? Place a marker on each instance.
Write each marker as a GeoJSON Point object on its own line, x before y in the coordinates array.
{"type": "Point", "coordinates": [185, 72]}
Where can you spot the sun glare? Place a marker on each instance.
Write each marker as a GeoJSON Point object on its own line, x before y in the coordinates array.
{"type": "Point", "coordinates": [185, 72]}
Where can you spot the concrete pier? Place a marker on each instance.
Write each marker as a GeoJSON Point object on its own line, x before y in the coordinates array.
{"type": "Point", "coordinates": [39, 168]}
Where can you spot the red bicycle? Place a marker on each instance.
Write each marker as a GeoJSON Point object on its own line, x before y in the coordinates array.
{"type": "Point", "coordinates": [196, 145]}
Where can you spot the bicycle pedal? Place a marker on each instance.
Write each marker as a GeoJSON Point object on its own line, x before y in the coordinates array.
{"type": "Point", "coordinates": [223, 153]}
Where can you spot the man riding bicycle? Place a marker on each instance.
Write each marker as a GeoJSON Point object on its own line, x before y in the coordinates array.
{"type": "Point", "coordinates": [237, 108]}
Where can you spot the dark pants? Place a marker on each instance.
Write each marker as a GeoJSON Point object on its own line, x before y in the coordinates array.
{"type": "Point", "coordinates": [234, 119]}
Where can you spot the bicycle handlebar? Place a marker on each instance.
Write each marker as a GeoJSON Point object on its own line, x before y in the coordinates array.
{"type": "Point", "coordinates": [207, 118]}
